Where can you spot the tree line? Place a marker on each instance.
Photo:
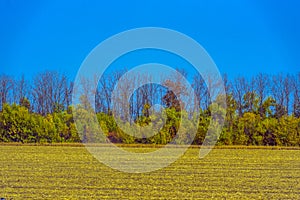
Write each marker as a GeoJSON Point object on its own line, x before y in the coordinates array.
{"type": "Point", "coordinates": [262, 110]}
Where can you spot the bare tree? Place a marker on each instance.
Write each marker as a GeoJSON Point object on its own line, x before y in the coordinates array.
{"type": "Point", "coordinates": [240, 87]}
{"type": "Point", "coordinates": [121, 97]}
{"type": "Point", "coordinates": [104, 91]}
{"type": "Point", "coordinates": [200, 90]}
{"type": "Point", "coordinates": [287, 91]}
{"type": "Point", "coordinates": [296, 99]}
{"type": "Point", "coordinates": [227, 85]}
{"type": "Point", "coordinates": [278, 93]}
{"type": "Point", "coordinates": [68, 89]}
{"type": "Point", "coordinates": [144, 95]}
{"type": "Point", "coordinates": [20, 90]}
{"type": "Point", "coordinates": [49, 90]}
{"type": "Point", "coordinates": [6, 86]}
{"type": "Point", "coordinates": [262, 89]}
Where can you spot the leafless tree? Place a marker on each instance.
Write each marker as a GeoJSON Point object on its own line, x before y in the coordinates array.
{"type": "Point", "coordinates": [200, 90]}
{"type": "Point", "coordinates": [287, 91]}
{"type": "Point", "coordinates": [296, 97]}
{"type": "Point", "coordinates": [6, 86]}
{"type": "Point", "coordinates": [21, 89]}
{"type": "Point", "coordinates": [49, 89]}
{"type": "Point", "coordinates": [278, 92]}
{"type": "Point", "coordinates": [104, 91]}
{"type": "Point", "coordinates": [240, 87]}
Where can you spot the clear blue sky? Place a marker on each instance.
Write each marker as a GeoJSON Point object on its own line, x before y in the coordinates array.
{"type": "Point", "coordinates": [242, 37]}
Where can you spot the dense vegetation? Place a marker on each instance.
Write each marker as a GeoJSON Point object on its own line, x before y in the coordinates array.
{"type": "Point", "coordinates": [64, 172]}
{"type": "Point", "coordinates": [264, 110]}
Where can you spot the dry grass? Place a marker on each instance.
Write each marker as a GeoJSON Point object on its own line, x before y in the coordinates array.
{"type": "Point", "coordinates": [70, 172]}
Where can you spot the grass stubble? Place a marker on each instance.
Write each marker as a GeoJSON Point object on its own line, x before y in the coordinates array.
{"type": "Point", "coordinates": [71, 172]}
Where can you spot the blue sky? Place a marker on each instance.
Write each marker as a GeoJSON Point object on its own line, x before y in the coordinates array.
{"type": "Point", "coordinates": [242, 37]}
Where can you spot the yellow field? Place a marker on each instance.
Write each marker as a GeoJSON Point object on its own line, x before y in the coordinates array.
{"type": "Point", "coordinates": [70, 172]}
